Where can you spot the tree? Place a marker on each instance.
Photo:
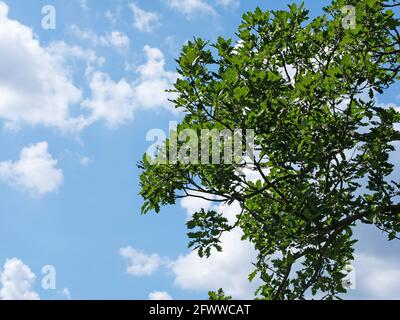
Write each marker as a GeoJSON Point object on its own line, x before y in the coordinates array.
{"type": "Point", "coordinates": [308, 89]}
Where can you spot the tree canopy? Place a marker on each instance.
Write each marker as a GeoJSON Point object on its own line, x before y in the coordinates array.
{"type": "Point", "coordinates": [322, 142]}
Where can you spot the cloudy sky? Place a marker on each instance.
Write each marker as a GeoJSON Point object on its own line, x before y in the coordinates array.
{"type": "Point", "coordinates": [76, 103]}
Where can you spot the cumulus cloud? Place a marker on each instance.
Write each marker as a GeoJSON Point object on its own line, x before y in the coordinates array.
{"type": "Point", "coordinates": [111, 101]}
{"type": "Point", "coordinates": [17, 281]}
{"type": "Point", "coordinates": [159, 295]}
{"type": "Point", "coordinates": [115, 39]}
{"type": "Point", "coordinates": [83, 4]}
{"type": "Point", "coordinates": [111, 17]}
{"type": "Point", "coordinates": [35, 172]}
{"type": "Point", "coordinates": [34, 87]}
{"type": "Point", "coordinates": [144, 20]}
{"type": "Point", "coordinates": [154, 80]}
{"type": "Point", "coordinates": [64, 53]}
{"type": "Point", "coordinates": [190, 7]}
{"type": "Point", "coordinates": [228, 269]}
{"type": "Point", "coordinates": [139, 263]}
{"type": "Point", "coordinates": [85, 161]}
{"type": "Point", "coordinates": [118, 40]}
{"type": "Point", "coordinates": [194, 204]}
{"type": "Point", "coordinates": [377, 277]}
{"type": "Point", "coordinates": [228, 3]}
{"type": "Point", "coordinates": [116, 101]}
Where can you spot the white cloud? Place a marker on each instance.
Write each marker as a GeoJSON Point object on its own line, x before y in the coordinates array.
{"type": "Point", "coordinates": [115, 102]}
{"type": "Point", "coordinates": [83, 4]}
{"type": "Point", "coordinates": [17, 281]}
{"type": "Point", "coordinates": [115, 39]}
{"type": "Point", "coordinates": [190, 7]}
{"type": "Point", "coordinates": [85, 161]}
{"type": "Point", "coordinates": [144, 20]}
{"type": "Point", "coordinates": [195, 204]}
{"type": "Point", "coordinates": [36, 171]}
{"type": "Point", "coordinates": [12, 126]}
{"type": "Point", "coordinates": [376, 277]}
{"type": "Point", "coordinates": [154, 80]}
{"type": "Point", "coordinates": [228, 3]}
{"type": "Point", "coordinates": [118, 40]}
{"type": "Point", "coordinates": [159, 295]}
{"type": "Point", "coordinates": [140, 264]}
{"type": "Point", "coordinates": [62, 52]}
{"type": "Point", "coordinates": [228, 269]}
{"type": "Point", "coordinates": [111, 101]}
{"type": "Point", "coordinates": [111, 17]}
{"type": "Point", "coordinates": [34, 87]}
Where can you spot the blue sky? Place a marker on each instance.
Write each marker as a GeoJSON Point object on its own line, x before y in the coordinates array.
{"type": "Point", "coordinates": [75, 106]}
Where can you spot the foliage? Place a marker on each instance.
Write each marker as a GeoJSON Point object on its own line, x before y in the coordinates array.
{"type": "Point", "coordinates": [308, 88]}
{"type": "Point", "coordinates": [219, 295]}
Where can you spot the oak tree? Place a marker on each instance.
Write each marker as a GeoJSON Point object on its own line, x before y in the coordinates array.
{"type": "Point", "coordinates": [308, 88]}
